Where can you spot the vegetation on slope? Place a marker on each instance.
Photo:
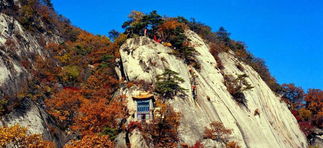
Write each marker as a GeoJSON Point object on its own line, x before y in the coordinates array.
{"type": "Point", "coordinates": [168, 31]}
{"type": "Point", "coordinates": [19, 137]}
{"type": "Point", "coordinates": [306, 107]}
{"type": "Point", "coordinates": [78, 82]}
{"type": "Point", "coordinates": [39, 16]}
{"type": "Point", "coordinates": [168, 84]}
{"type": "Point", "coordinates": [84, 103]}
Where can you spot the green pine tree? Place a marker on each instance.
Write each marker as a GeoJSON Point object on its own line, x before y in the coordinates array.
{"type": "Point", "coordinates": [168, 84]}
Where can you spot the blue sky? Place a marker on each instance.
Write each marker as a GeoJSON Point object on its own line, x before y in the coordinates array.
{"type": "Point", "coordinates": [287, 34]}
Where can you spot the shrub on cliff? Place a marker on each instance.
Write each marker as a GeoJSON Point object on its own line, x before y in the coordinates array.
{"type": "Point", "coordinates": [168, 84]}
{"type": "Point", "coordinates": [220, 41]}
{"type": "Point", "coordinates": [163, 130]}
{"type": "Point", "coordinates": [173, 31]}
{"type": "Point", "coordinates": [217, 132]}
{"type": "Point", "coordinates": [167, 30]}
{"type": "Point", "coordinates": [236, 86]}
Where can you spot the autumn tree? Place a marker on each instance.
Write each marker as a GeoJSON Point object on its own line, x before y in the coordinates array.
{"type": "Point", "coordinates": [217, 132]}
{"type": "Point", "coordinates": [304, 114]}
{"type": "Point", "coordinates": [102, 83]}
{"type": "Point", "coordinates": [314, 103]}
{"type": "Point", "coordinates": [153, 20]}
{"type": "Point", "coordinates": [293, 93]}
{"type": "Point", "coordinates": [201, 29]}
{"type": "Point", "coordinates": [64, 104]}
{"type": "Point", "coordinates": [91, 141]}
{"type": "Point", "coordinates": [39, 16]}
{"type": "Point", "coordinates": [197, 144]}
{"type": "Point", "coordinates": [168, 28]}
{"type": "Point", "coordinates": [96, 114]}
{"type": "Point", "coordinates": [173, 31]}
{"type": "Point", "coordinates": [17, 136]}
{"type": "Point", "coordinates": [135, 25]}
{"type": "Point", "coordinates": [163, 130]}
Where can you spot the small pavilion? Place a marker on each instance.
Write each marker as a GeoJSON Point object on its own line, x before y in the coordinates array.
{"type": "Point", "coordinates": [145, 106]}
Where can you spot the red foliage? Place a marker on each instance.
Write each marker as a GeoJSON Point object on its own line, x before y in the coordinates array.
{"type": "Point", "coordinates": [217, 132]}
{"type": "Point", "coordinates": [10, 44]}
{"type": "Point", "coordinates": [92, 141]}
{"type": "Point", "coordinates": [163, 130]}
{"type": "Point", "coordinates": [215, 50]}
{"type": "Point", "coordinates": [198, 144]}
{"type": "Point", "coordinates": [64, 104]}
{"type": "Point", "coordinates": [26, 64]}
{"type": "Point", "coordinates": [257, 112]}
{"type": "Point", "coordinates": [72, 88]}
{"type": "Point", "coordinates": [309, 116]}
{"type": "Point", "coordinates": [314, 103]}
{"type": "Point", "coordinates": [133, 125]}
{"type": "Point", "coordinates": [296, 115]}
{"type": "Point", "coordinates": [232, 144]}
{"type": "Point", "coordinates": [17, 136]}
{"type": "Point", "coordinates": [95, 114]}
{"type": "Point", "coordinates": [306, 127]}
{"type": "Point", "coordinates": [167, 28]}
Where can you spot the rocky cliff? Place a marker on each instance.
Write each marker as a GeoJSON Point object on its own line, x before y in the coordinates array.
{"type": "Point", "coordinates": [18, 51]}
{"type": "Point", "coordinates": [144, 59]}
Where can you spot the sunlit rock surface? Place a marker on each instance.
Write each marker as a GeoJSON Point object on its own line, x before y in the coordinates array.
{"type": "Point", "coordinates": [144, 59]}
{"type": "Point", "coordinates": [18, 46]}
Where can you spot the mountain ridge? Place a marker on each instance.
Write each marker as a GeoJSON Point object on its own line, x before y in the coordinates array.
{"type": "Point", "coordinates": [78, 88]}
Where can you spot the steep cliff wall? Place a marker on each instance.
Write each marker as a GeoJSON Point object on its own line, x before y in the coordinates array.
{"type": "Point", "coordinates": [18, 50]}
{"type": "Point", "coordinates": [18, 46]}
{"type": "Point", "coordinates": [144, 59]}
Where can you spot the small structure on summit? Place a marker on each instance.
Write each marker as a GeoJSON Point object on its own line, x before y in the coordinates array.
{"type": "Point", "coordinates": [145, 106]}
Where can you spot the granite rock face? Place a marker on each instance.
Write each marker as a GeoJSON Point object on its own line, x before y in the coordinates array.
{"type": "Point", "coordinates": [144, 59]}
{"type": "Point", "coordinates": [36, 120]}
{"type": "Point", "coordinates": [275, 126]}
{"type": "Point", "coordinates": [18, 51]}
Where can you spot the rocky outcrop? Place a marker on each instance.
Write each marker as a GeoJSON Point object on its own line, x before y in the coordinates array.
{"type": "Point", "coordinates": [144, 59]}
{"type": "Point", "coordinates": [275, 126]}
{"type": "Point", "coordinates": [36, 120]}
{"type": "Point", "coordinates": [18, 50]}
{"type": "Point", "coordinates": [317, 138]}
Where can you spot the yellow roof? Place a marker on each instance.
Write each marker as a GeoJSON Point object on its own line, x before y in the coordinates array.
{"type": "Point", "coordinates": [143, 96]}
